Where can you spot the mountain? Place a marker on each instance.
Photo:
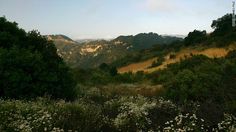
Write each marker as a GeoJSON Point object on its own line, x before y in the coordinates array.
{"type": "Point", "coordinates": [175, 35]}
{"type": "Point", "coordinates": [91, 54]}
{"type": "Point", "coordinates": [87, 40]}
{"type": "Point", "coordinates": [61, 39]}
{"type": "Point", "coordinates": [146, 40]}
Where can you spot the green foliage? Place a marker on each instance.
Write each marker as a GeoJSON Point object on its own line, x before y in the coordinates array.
{"type": "Point", "coordinates": [157, 62]}
{"type": "Point", "coordinates": [142, 55]}
{"type": "Point", "coordinates": [195, 37]}
{"type": "Point", "coordinates": [128, 59]}
{"type": "Point", "coordinates": [200, 79]}
{"type": "Point", "coordinates": [93, 76]}
{"type": "Point", "coordinates": [224, 33]}
{"type": "Point", "coordinates": [106, 74]}
{"type": "Point", "coordinates": [113, 71]}
{"type": "Point", "coordinates": [134, 113]}
{"type": "Point", "coordinates": [110, 69]}
{"type": "Point", "coordinates": [45, 115]}
{"type": "Point", "coordinates": [146, 40]}
{"type": "Point", "coordinates": [30, 66]}
{"type": "Point", "coordinates": [222, 25]}
{"type": "Point", "coordinates": [210, 82]}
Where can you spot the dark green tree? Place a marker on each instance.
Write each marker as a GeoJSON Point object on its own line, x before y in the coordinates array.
{"type": "Point", "coordinates": [222, 25]}
{"type": "Point", "coordinates": [30, 66]}
{"type": "Point", "coordinates": [104, 67]}
{"type": "Point", "coordinates": [195, 37]}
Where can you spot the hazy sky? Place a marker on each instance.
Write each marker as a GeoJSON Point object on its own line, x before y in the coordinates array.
{"type": "Point", "coordinates": [110, 18]}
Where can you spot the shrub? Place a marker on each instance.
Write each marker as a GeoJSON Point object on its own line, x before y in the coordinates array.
{"type": "Point", "coordinates": [158, 62]}
{"type": "Point", "coordinates": [44, 115]}
{"type": "Point", "coordinates": [133, 114]}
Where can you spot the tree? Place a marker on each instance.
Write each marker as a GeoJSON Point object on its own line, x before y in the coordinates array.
{"type": "Point", "coordinates": [222, 25]}
{"type": "Point", "coordinates": [104, 67]}
{"type": "Point", "coordinates": [195, 37]}
{"type": "Point", "coordinates": [30, 66]}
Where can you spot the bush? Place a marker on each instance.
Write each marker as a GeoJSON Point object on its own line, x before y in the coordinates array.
{"type": "Point", "coordinates": [133, 113]}
{"type": "Point", "coordinates": [201, 79]}
{"type": "Point", "coordinates": [44, 115]}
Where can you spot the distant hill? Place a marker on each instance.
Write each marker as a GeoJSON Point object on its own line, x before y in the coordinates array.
{"type": "Point", "coordinates": [89, 54]}
{"type": "Point", "coordinates": [146, 40]}
{"type": "Point", "coordinates": [81, 41]}
{"type": "Point", "coordinates": [60, 38]}
{"type": "Point", "coordinates": [216, 44]}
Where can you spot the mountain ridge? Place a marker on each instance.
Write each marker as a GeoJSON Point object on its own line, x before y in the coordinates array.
{"type": "Point", "coordinates": [92, 54]}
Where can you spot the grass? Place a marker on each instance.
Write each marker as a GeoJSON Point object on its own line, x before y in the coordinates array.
{"type": "Point", "coordinates": [182, 54]}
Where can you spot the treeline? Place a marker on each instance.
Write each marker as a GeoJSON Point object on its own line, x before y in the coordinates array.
{"type": "Point", "coordinates": [105, 74]}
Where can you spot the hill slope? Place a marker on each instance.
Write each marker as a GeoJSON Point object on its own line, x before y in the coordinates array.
{"type": "Point", "coordinates": [180, 55]}
{"type": "Point", "coordinates": [92, 54]}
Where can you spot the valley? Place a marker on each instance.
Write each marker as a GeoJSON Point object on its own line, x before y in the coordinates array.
{"type": "Point", "coordinates": [144, 82]}
{"type": "Point", "coordinates": [93, 53]}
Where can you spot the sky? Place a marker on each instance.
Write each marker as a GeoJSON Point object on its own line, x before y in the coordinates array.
{"type": "Point", "coordinates": [93, 19]}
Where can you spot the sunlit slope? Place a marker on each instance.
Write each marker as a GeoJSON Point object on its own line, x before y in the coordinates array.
{"type": "Point", "coordinates": [135, 67]}
{"type": "Point", "coordinates": [182, 54]}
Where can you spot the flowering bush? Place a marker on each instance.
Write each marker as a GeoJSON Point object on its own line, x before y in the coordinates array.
{"type": "Point", "coordinates": [228, 124]}
{"type": "Point", "coordinates": [190, 122]}
{"type": "Point", "coordinates": [20, 116]}
{"type": "Point", "coordinates": [134, 113]}
{"type": "Point", "coordinates": [42, 115]}
{"type": "Point", "coordinates": [187, 122]}
{"type": "Point", "coordinates": [129, 113]}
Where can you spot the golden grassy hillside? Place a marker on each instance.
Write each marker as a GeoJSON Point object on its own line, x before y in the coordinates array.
{"type": "Point", "coordinates": [135, 67]}
{"type": "Point", "coordinates": [182, 54]}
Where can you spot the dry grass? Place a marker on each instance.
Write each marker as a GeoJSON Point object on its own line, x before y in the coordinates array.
{"type": "Point", "coordinates": [183, 54]}
{"type": "Point", "coordinates": [140, 66]}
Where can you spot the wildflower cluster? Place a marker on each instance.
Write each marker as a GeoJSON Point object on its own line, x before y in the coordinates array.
{"type": "Point", "coordinates": [19, 116]}
{"type": "Point", "coordinates": [187, 122]}
{"type": "Point", "coordinates": [228, 124]}
{"type": "Point", "coordinates": [128, 113]}
{"type": "Point", "coordinates": [43, 116]}
{"type": "Point", "coordinates": [134, 113]}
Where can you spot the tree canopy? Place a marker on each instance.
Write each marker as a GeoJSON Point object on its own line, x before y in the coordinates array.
{"type": "Point", "coordinates": [30, 66]}
{"type": "Point", "coordinates": [195, 37]}
{"type": "Point", "coordinates": [223, 25]}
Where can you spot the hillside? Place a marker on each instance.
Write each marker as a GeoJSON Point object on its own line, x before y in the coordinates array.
{"type": "Point", "coordinates": [91, 54]}
{"type": "Point", "coordinates": [184, 85]}
{"type": "Point", "coordinates": [146, 40]}
{"type": "Point", "coordinates": [60, 39]}
{"type": "Point", "coordinates": [213, 45]}
{"type": "Point", "coordinates": [180, 55]}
